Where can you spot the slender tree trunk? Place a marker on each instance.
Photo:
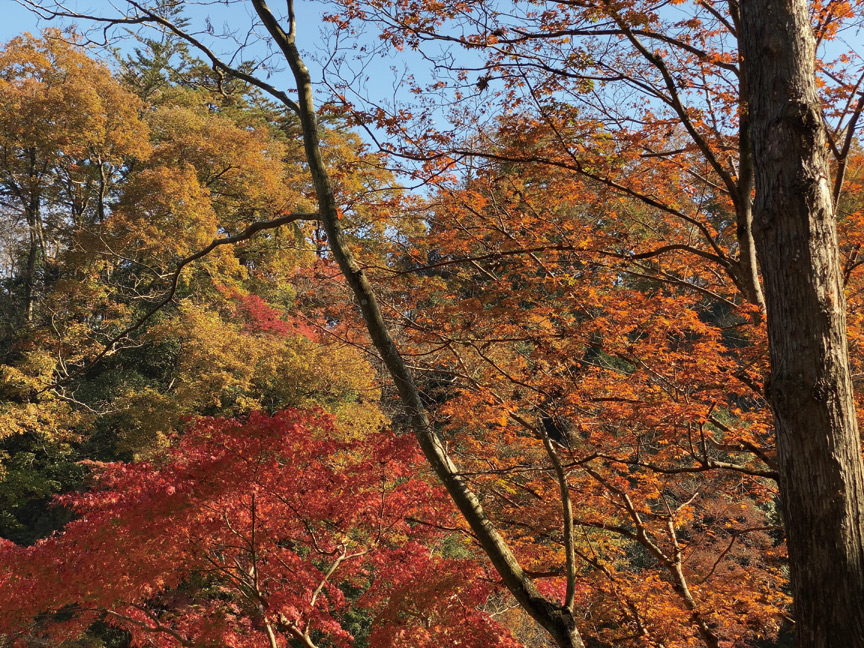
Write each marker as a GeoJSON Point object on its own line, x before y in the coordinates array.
{"type": "Point", "coordinates": [747, 265]}
{"type": "Point", "coordinates": [810, 390]}
{"type": "Point", "coordinates": [30, 268]}
{"type": "Point", "coordinates": [36, 244]}
{"type": "Point", "coordinates": [32, 210]}
{"type": "Point", "coordinates": [558, 620]}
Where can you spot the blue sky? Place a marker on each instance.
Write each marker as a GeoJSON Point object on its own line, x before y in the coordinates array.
{"type": "Point", "coordinates": [15, 19]}
{"type": "Point", "coordinates": [381, 82]}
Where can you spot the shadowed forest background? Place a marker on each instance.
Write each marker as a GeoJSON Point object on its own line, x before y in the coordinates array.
{"type": "Point", "coordinates": [484, 361]}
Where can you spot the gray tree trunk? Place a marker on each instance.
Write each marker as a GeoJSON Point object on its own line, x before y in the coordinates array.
{"type": "Point", "coordinates": [810, 389]}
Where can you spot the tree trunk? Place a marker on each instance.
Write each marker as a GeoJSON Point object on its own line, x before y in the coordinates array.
{"type": "Point", "coordinates": [810, 390]}
{"type": "Point", "coordinates": [32, 210]}
{"type": "Point", "coordinates": [36, 244]}
{"type": "Point", "coordinates": [30, 268]}
{"type": "Point", "coordinates": [747, 257]}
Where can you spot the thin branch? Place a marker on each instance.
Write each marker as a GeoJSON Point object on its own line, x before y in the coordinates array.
{"type": "Point", "coordinates": [250, 231]}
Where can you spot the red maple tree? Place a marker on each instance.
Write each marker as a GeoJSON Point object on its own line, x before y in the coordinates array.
{"type": "Point", "coordinates": [251, 532]}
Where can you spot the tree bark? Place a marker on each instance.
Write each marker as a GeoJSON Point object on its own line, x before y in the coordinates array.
{"type": "Point", "coordinates": [33, 216]}
{"type": "Point", "coordinates": [810, 390]}
{"type": "Point", "coordinates": [747, 265]}
{"type": "Point", "coordinates": [30, 268]}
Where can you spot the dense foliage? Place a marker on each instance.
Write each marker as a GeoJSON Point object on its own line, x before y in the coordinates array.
{"type": "Point", "coordinates": [245, 534]}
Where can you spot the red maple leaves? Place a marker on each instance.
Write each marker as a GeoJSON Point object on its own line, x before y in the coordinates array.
{"type": "Point", "coordinates": [251, 533]}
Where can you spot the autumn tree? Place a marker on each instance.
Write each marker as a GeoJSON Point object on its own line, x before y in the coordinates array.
{"type": "Point", "coordinates": [68, 132]}
{"type": "Point", "coordinates": [246, 534]}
